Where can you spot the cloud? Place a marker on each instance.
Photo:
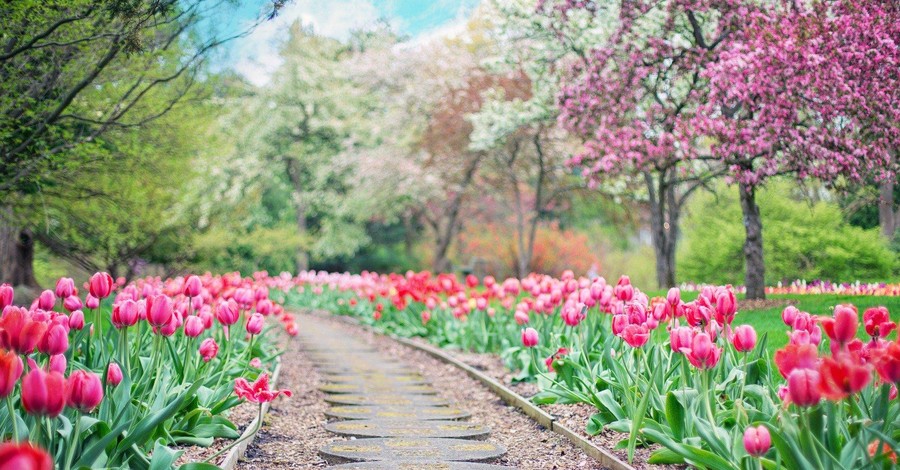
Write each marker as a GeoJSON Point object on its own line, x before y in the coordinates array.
{"type": "Point", "coordinates": [256, 56]}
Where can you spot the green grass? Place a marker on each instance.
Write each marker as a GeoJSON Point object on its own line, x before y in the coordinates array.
{"type": "Point", "coordinates": [768, 321]}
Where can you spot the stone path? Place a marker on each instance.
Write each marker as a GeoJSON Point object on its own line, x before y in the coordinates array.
{"type": "Point", "coordinates": [391, 416]}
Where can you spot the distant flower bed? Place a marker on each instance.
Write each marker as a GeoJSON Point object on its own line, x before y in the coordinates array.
{"type": "Point", "coordinates": [662, 370]}
{"type": "Point", "coordinates": [116, 375]}
{"type": "Point", "coordinates": [816, 287]}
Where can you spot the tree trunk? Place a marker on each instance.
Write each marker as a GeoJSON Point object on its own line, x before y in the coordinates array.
{"type": "Point", "coordinates": [302, 259]}
{"type": "Point", "coordinates": [887, 218]}
{"type": "Point", "coordinates": [755, 278]}
{"type": "Point", "coordinates": [664, 213]}
{"type": "Point", "coordinates": [295, 173]}
{"type": "Point", "coordinates": [16, 254]}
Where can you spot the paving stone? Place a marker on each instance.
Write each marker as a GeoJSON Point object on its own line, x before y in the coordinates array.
{"type": "Point", "coordinates": [363, 387]}
{"type": "Point", "coordinates": [385, 465]}
{"type": "Point", "coordinates": [397, 412]}
{"type": "Point", "coordinates": [386, 399]}
{"type": "Point", "coordinates": [403, 449]}
{"type": "Point", "coordinates": [406, 428]}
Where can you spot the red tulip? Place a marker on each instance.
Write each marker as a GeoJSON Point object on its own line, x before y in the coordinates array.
{"type": "Point", "coordinates": [55, 340]}
{"type": "Point", "coordinates": [24, 456]}
{"type": "Point", "coordinates": [101, 285]}
{"type": "Point", "coordinates": [46, 300]}
{"type": "Point", "coordinates": [65, 287]}
{"type": "Point", "coordinates": [76, 320]}
{"type": "Point", "coordinates": [19, 330]}
{"type": "Point", "coordinates": [192, 286]}
{"type": "Point", "coordinates": [757, 440]}
{"type": "Point", "coordinates": [125, 313]}
{"type": "Point", "coordinates": [10, 371]}
{"type": "Point", "coordinates": [84, 391]}
{"type": "Point", "coordinates": [744, 338]}
{"type": "Point", "coordinates": [878, 322]}
{"type": "Point", "coordinates": [842, 377]}
{"type": "Point", "coordinates": [842, 327]}
{"type": "Point", "coordinates": [208, 349]}
{"type": "Point", "coordinates": [6, 295]}
{"type": "Point", "coordinates": [257, 392]}
{"type": "Point", "coordinates": [193, 326]}
{"type": "Point", "coordinates": [291, 329]}
{"type": "Point", "coordinates": [159, 310]}
{"type": "Point", "coordinates": [804, 388]}
{"type": "Point", "coordinates": [636, 335]}
{"type": "Point", "coordinates": [796, 357]}
{"type": "Point", "coordinates": [530, 337]}
{"type": "Point", "coordinates": [43, 393]}
{"type": "Point", "coordinates": [887, 362]}
{"type": "Point", "coordinates": [113, 374]}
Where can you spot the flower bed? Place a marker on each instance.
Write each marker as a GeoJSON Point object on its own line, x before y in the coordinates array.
{"type": "Point", "coordinates": [129, 372]}
{"type": "Point", "coordinates": [684, 375]}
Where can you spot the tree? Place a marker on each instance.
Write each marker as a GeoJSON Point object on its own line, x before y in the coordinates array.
{"type": "Point", "coordinates": [630, 98]}
{"type": "Point", "coordinates": [71, 71]}
{"type": "Point", "coordinates": [809, 90]}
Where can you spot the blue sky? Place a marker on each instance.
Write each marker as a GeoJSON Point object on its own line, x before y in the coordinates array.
{"type": "Point", "coordinates": [256, 58]}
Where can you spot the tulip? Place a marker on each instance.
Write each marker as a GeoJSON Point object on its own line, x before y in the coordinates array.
{"type": "Point", "coordinates": [521, 317]}
{"type": "Point", "coordinates": [842, 327]}
{"type": "Point", "coordinates": [796, 357]}
{"type": "Point", "coordinates": [228, 312]}
{"type": "Point", "coordinates": [101, 285]}
{"type": "Point", "coordinates": [804, 387]}
{"type": "Point", "coordinates": [530, 337]}
{"type": "Point", "coordinates": [92, 302]}
{"type": "Point", "coordinates": [159, 310]}
{"type": "Point", "coordinates": [193, 326]}
{"type": "Point", "coordinates": [291, 329]}
{"type": "Point", "coordinates": [72, 303]}
{"type": "Point", "coordinates": [887, 362]}
{"type": "Point", "coordinates": [43, 393]}
{"type": "Point", "coordinates": [46, 300]}
{"type": "Point", "coordinates": [256, 363]}
{"type": "Point", "coordinates": [257, 392]}
{"type": "Point", "coordinates": [76, 320]}
{"type": "Point", "coordinates": [789, 314]}
{"type": "Point", "coordinates": [113, 375]}
{"type": "Point", "coordinates": [426, 317]}
{"type": "Point", "coordinates": [65, 287]}
{"type": "Point", "coordinates": [877, 322]}
{"type": "Point", "coordinates": [58, 363]}
{"type": "Point", "coordinates": [125, 313]}
{"type": "Point", "coordinates": [726, 305]}
{"type": "Point", "coordinates": [680, 337]}
{"type": "Point", "coordinates": [265, 306]}
{"type": "Point", "coordinates": [20, 330]}
{"type": "Point", "coordinates": [6, 295]}
{"type": "Point", "coordinates": [757, 440]}
{"type": "Point", "coordinates": [10, 371]}
{"type": "Point", "coordinates": [55, 340]}
{"type": "Point", "coordinates": [744, 338]}
{"type": "Point", "coordinates": [84, 391]}
{"type": "Point", "coordinates": [24, 456]}
{"type": "Point", "coordinates": [208, 349]}
{"type": "Point", "coordinates": [255, 324]}
{"type": "Point", "coordinates": [192, 286]}
{"type": "Point", "coordinates": [636, 335]}
{"type": "Point", "coordinates": [702, 354]}
{"type": "Point", "coordinates": [843, 376]}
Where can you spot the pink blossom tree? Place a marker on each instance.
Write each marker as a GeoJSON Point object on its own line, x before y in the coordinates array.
{"type": "Point", "coordinates": [804, 89]}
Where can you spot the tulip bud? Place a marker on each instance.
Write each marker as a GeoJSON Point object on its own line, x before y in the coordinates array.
{"type": "Point", "coordinates": [84, 391]}
{"type": "Point", "coordinates": [55, 340]}
{"type": "Point", "coordinates": [193, 326]}
{"type": "Point", "coordinates": [76, 320]}
{"type": "Point", "coordinates": [92, 302]}
{"type": "Point", "coordinates": [46, 300]}
{"type": "Point", "coordinates": [789, 314]}
{"type": "Point", "coordinates": [673, 297]}
{"type": "Point", "coordinates": [530, 337]}
{"type": "Point", "coordinates": [744, 338]}
{"type": "Point", "coordinates": [192, 286]}
{"type": "Point", "coordinates": [101, 285]}
{"type": "Point", "coordinates": [159, 310]}
{"type": "Point", "coordinates": [43, 393]}
{"type": "Point", "coordinates": [65, 287]}
{"type": "Point", "coordinates": [125, 314]}
{"type": "Point", "coordinates": [803, 387]}
{"type": "Point", "coordinates": [10, 371]}
{"type": "Point", "coordinates": [208, 349]}
{"type": "Point", "coordinates": [228, 312]}
{"type": "Point", "coordinates": [72, 303]}
{"type": "Point", "coordinates": [113, 374]}
{"type": "Point", "coordinates": [757, 440]}
{"type": "Point", "coordinates": [6, 295]}
{"type": "Point", "coordinates": [255, 324]}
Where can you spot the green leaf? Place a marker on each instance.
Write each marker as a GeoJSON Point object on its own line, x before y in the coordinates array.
{"type": "Point", "coordinates": [675, 416]}
{"type": "Point", "coordinates": [787, 449]}
{"type": "Point", "coordinates": [198, 466]}
{"type": "Point", "coordinates": [665, 457]}
{"type": "Point", "coordinates": [163, 457]}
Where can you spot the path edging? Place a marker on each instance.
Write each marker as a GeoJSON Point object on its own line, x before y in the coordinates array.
{"type": "Point", "coordinates": [231, 458]}
{"type": "Point", "coordinates": [510, 397]}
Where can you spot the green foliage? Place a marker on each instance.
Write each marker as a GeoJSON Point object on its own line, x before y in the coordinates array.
{"type": "Point", "coordinates": [223, 249]}
{"type": "Point", "coordinates": [802, 239]}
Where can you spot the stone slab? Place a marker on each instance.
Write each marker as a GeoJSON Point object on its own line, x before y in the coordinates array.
{"type": "Point", "coordinates": [397, 412]}
{"type": "Point", "coordinates": [351, 370]}
{"type": "Point", "coordinates": [404, 449]}
{"type": "Point", "coordinates": [363, 387]}
{"type": "Point", "coordinates": [373, 378]}
{"type": "Point", "coordinates": [407, 428]}
{"type": "Point", "coordinates": [386, 399]}
{"type": "Point", "coordinates": [385, 465]}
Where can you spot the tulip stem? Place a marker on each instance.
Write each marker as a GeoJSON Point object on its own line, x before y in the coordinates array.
{"type": "Point", "coordinates": [12, 417]}
{"type": "Point", "coordinates": [73, 442]}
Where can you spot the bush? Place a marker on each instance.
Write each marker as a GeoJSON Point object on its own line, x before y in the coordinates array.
{"type": "Point", "coordinates": [801, 240]}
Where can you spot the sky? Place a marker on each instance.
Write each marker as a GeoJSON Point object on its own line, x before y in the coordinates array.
{"type": "Point", "coordinates": [256, 56]}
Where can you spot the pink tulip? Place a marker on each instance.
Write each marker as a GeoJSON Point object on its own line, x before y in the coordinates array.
{"type": "Point", "coordinates": [193, 326]}
{"type": "Point", "coordinates": [744, 338]}
{"type": "Point", "coordinates": [256, 363]}
{"type": "Point", "coordinates": [58, 363]}
{"type": "Point", "coordinates": [228, 312]}
{"type": "Point", "coordinates": [101, 285]}
{"type": "Point", "coordinates": [84, 391]}
{"type": "Point", "coordinates": [72, 303]}
{"type": "Point", "coordinates": [703, 354]}
{"type": "Point", "coordinates": [92, 302]}
{"type": "Point", "coordinates": [43, 393]}
{"type": "Point", "coordinates": [680, 337]}
{"type": "Point", "coordinates": [65, 287]}
{"type": "Point", "coordinates": [76, 320]}
{"type": "Point", "coordinates": [24, 456]}
{"type": "Point", "coordinates": [264, 306]}
{"type": "Point", "coordinates": [255, 324]}
{"type": "Point", "coordinates": [521, 317]}
{"type": "Point", "coordinates": [159, 310]}
{"type": "Point", "coordinates": [6, 295]}
{"type": "Point", "coordinates": [530, 337]}
{"type": "Point", "coordinates": [192, 286]}
{"type": "Point", "coordinates": [46, 300]}
{"type": "Point", "coordinates": [209, 349]}
{"type": "Point", "coordinates": [757, 440]}
{"type": "Point", "coordinates": [636, 335]}
{"type": "Point", "coordinates": [55, 340]}
{"type": "Point", "coordinates": [125, 314]}
{"type": "Point", "coordinates": [113, 375]}
{"type": "Point", "coordinates": [803, 387]}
